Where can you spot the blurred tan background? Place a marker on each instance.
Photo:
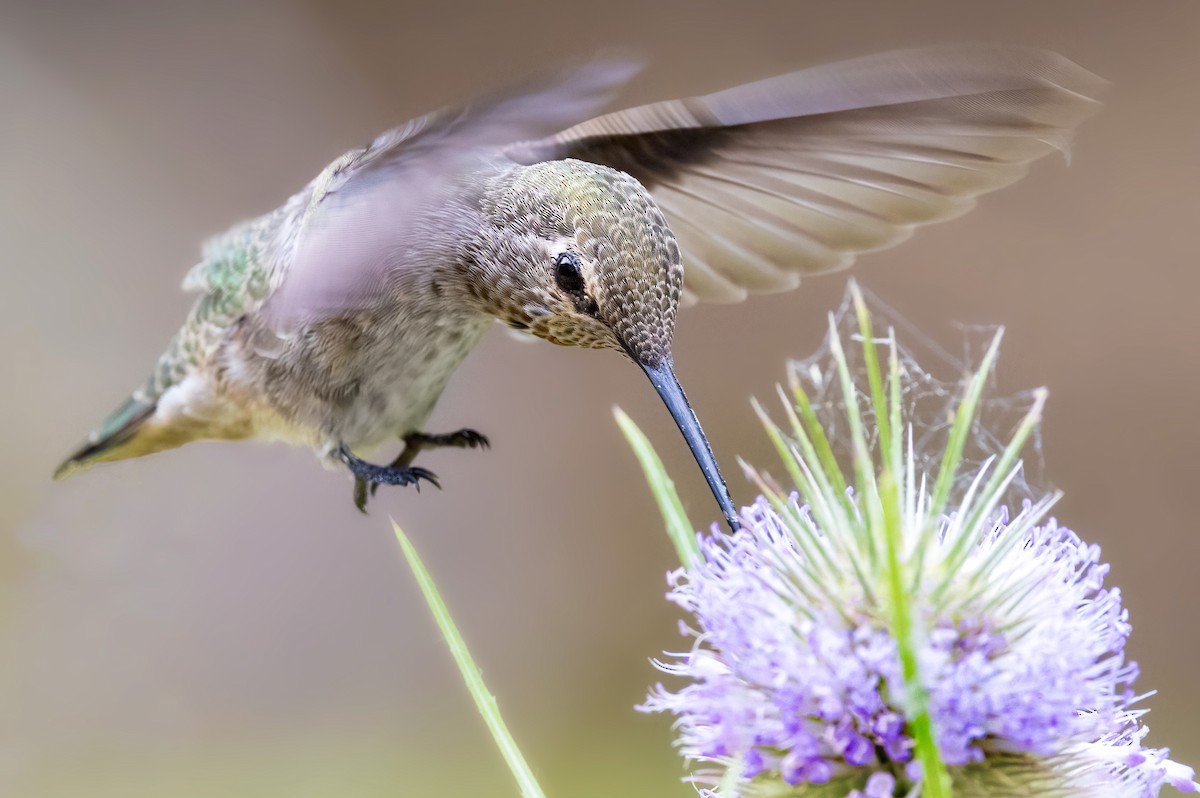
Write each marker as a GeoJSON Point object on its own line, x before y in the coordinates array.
{"type": "Point", "coordinates": [220, 621]}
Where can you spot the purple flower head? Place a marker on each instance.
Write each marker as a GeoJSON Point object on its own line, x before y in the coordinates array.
{"type": "Point", "coordinates": [830, 630]}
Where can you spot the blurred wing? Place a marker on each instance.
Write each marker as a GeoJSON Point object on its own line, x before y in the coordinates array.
{"type": "Point", "coordinates": [360, 218]}
{"type": "Point", "coordinates": [795, 174]}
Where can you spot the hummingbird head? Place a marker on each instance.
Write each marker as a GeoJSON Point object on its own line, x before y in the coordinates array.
{"type": "Point", "coordinates": [581, 255]}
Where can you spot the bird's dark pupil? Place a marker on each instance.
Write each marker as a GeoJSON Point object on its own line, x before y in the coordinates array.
{"type": "Point", "coordinates": [567, 272]}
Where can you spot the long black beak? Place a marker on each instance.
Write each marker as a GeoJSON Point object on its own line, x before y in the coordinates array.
{"type": "Point", "coordinates": [668, 387]}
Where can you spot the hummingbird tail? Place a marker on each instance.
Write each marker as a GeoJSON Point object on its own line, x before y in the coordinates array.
{"type": "Point", "coordinates": [111, 440]}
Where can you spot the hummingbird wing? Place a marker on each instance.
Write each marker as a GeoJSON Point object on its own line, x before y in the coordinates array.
{"type": "Point", "coordinates": [796, 174]}
{"type": "Point", "coordinates": [360, 216]}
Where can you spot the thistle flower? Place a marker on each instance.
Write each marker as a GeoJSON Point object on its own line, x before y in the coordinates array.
{"type": "Point", "coordinates": [903, 629]}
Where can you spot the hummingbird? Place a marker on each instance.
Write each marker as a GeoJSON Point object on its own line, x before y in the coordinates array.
{"type": "Point", "coordinates": [336, 320]}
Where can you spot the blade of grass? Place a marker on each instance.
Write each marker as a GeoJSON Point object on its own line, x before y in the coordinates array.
{"type": "Point", "coordinates": [679, 528]}
{"type": "Point", "coordinates": [484, 700]}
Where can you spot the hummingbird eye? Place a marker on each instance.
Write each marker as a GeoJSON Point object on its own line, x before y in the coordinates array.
{"type": "Point", "coordinates": [567, 272]}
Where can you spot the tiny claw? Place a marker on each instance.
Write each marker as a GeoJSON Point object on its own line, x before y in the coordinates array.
{"type": "Point", "coordinates": [368, 476]}
{"type": "Point", "coordinates": [382, 475]}
{"type": "Point", "coordinates": [462, 439]}
{"type": "Point", "coordinates": [470, 439]}
{"type": "Point", "coordinates": [425, 474]}
{"type": "Point", "coordinates": [360, 494]}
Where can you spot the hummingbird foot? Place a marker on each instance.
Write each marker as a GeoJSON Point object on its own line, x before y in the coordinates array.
{"type": "Point", "coordinates": [416, 442]}
{"type": "Point", "coordinates": [463, 439]}
{"type": "Point", "coordinates": [368, 474]}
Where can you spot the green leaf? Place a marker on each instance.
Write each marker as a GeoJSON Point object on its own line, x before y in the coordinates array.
{"type": "Point", "coordinates": [484, 700]}
{"type": "Point", "coordinates": [679, 528]}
